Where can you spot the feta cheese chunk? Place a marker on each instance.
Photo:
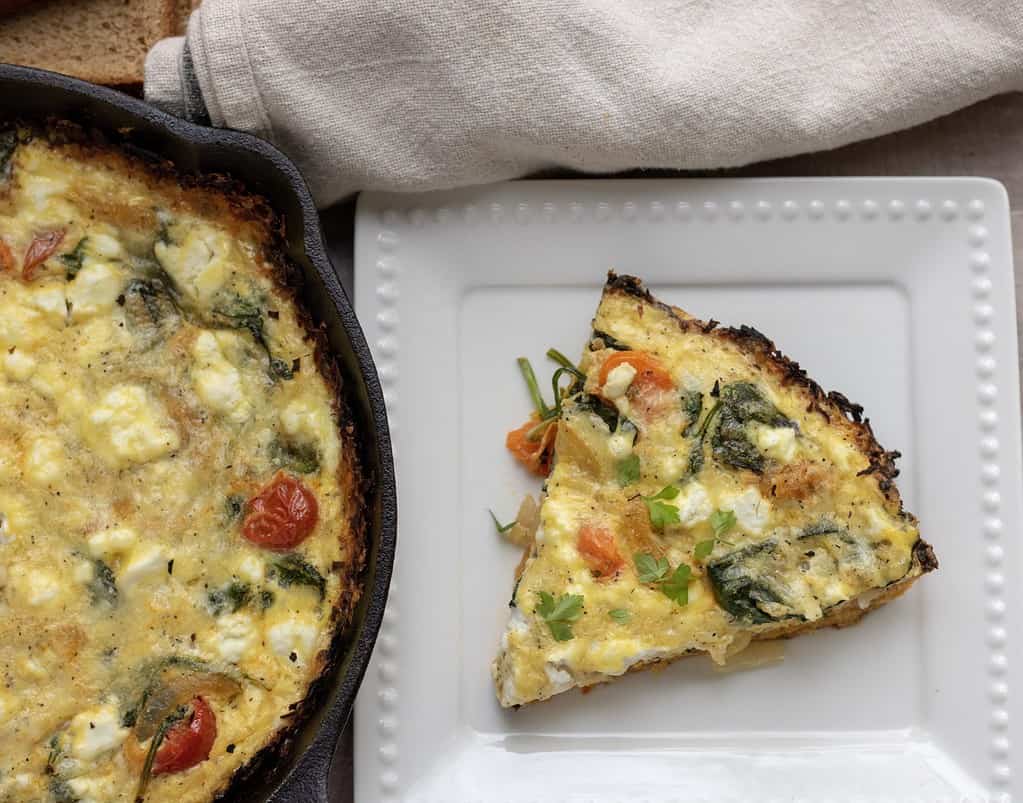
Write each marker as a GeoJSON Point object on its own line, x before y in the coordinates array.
{"type": "Point", "coordinates": [94, 290]}
{"type": "Point", "coordinates": [18, 365]}
{"type": "Point", "coordinates": [95, 732]}
{"type": "Point", "coordinates": [128, 426]}
{"type": "Point", "coordinates": [145, 562]}
{"type": "Point", "coordinates": [235, 636]}
{"type": "Point", "coordinates": [217, 382]}
{"type": "Point", "coordinates": [296, 636]}
{"type": "Point", "coordinates": [776, 442]}
{"type": "Point", "coordinates": [752, 512]}
{"type": "Point", "coordinates": [36, 587]}
{"type": "Point", "coordinates": [114, 541]}
{"type": "Point", "coordinates": [44, 463]}
{"type": "Point", "coordinates": [198, 258]}
{"type": "Point", "coordinates": [618, 381]}
{"type": "Point", "coordinates": [693, 504]}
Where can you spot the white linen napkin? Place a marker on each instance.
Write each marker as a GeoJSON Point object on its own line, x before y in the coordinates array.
{"type": "Point", "coordinates": [420, 94]}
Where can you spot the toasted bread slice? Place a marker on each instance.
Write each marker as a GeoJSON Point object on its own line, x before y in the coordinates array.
{"type": "Point", "coordinates": [705, 493]}
{"type": "Point", "coordinates": [103, 41]}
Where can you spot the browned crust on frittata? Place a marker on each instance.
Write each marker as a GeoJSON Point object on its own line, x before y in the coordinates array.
{"type": "Point", "coordinates": [226, 199]}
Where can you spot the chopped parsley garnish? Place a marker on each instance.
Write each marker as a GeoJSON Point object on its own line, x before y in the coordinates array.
{"type": "Point", "coordinates": [662, 513]}
{"type": "Point", "coordinates": [703, 548]}
{"type": "Point", "coordinates": [627, 470]}
{"type": "Point", "coordinates": [502, 528]}
{"type": "Point", "coordinates": [675, 586]}
{"type": "Point", "coordinates": [721, 521]}
{"type": "Point", "coordinates": [620, 615]}
{"type": "Point", "coordinates": [649, 568]}
{"type": "Point", "coordinates": [560, 614]}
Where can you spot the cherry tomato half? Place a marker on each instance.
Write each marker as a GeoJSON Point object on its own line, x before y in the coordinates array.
{"type": "Point", "coordinates": [535, 454]}
{"type": "Point", "coordinates": [6, 258]}
{"type": "Point", "coordinates": [282, 516]}
{"type": "Point", "coordinates": [187, 742]}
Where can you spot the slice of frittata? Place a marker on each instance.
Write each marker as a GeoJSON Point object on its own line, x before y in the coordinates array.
{"type": "Point", "coordinates": [704, 493]}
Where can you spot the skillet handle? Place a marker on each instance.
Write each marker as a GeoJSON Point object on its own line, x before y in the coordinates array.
{"type": "Point", "coordinates": [308, 781]}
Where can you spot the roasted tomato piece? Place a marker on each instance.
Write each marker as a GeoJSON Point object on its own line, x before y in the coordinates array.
{"type": "Point", "coordinates": [282, 515]}
{"type": "Point", "coordinates": [6, 258]}
{"type": "Point", "coordinates": [533, 447]}
{"type": "Point", "coordinates": [600, 551]}
{"type": "Point", "coordinates": [187, 742]}
{"type": "Point", "coordinates": [650, 374]}
{"type": "Point", "coordinates": [39, 250]}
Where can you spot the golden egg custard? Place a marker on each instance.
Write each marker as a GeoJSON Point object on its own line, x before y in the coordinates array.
{"type": "Point", "coordinates": [178, 506]}
{"type": "Point", "coordinates": [703, 492]}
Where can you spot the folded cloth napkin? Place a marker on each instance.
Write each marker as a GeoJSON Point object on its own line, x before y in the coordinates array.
{"type": "Point", "coordinates": [420, 94]}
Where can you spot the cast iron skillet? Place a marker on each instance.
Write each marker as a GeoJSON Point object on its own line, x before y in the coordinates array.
{"type": "Point", "coordinates": [294, 771]}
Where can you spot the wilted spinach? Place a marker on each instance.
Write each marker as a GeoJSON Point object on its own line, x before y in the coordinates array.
{"type": "Point", "coordinates": [103, 586]}
{"type": "Point", "coordinates": [740, 584]}
{"type": "Point", "coordinates": [293, 570]}
{"type": "Point", "coordinates": [742, 404]}
{"type": "Point", "coordinates": [232, 597]}
{"type": "Point", "coordinates": [298, 457]}
{"type": "Point", "coordinates": [243, 314]}
{"type": "Point", "coordinates": [72, 260]}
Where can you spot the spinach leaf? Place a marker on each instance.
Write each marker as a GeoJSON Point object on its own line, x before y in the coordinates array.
{"type": "Point", "coordinates": [233, 507]}
{"type": "Point", "coordinates": [293, 570]}
{"type": "Point", "coordinates": [742, 404]}
{"type": "Point", "coordinates": [299, 457]}
{"type": "Point", "coordinates": [103, 586]}
{"type": "Point", "coordinates": [61, 791]}
{"type": "Point", "coordinates": [740, 584]}
{"type": "Point", "coordinates": [73, 259]}
{"type": "Point", "coordinates": [594, 404]}
{"type": "Point", "coordinates": [266, 599]}
{"type": "Point", "coordinates": [692, 406]}
{"type": "Point", "coordinates": [151, 295]}
{"type": "Point", "coordinates": [243, 314]}
{"type": "Point", "coordinates": [229, 599]}
{"type": "Point", "coordinates": [695, 462]}
{"type": "Point", "coordinates": [609, 341]}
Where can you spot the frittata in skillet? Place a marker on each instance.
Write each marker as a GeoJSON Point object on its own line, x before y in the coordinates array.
{"type": "Point", "coordinates": [702, 492]}
{"type": "Point", "coordinates": [177, 491]}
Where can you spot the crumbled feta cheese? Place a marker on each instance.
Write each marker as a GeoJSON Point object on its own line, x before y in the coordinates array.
{"type": "Point", "coordinates": [776, 442]}
{"type": "Point", "coordinates": [752, 512]}
{"type": "Point", "coordinates": [198, 260]}
{"type": "Point", "coordinates": [235, 636]}
{"type": "Point", "coordinates": [44, 462]}
{"type": "Point", "coordinates": [94, 290]}
{"type": "Point", "coordinates": [39, 586]}
{"type": "Point", "coordinates": [251, 568]}
{"type": "Point", "coordinates": [112, 542]}
{"type": "Point", "coordinates": [104, 245]}
{"type": "Point", "coordinates": [144, 563]}
{"type": "Point", "coordinates": [129, 426]}
{"type": "Point", "coordinates": [51, 301]}
{"type": "Point", "coordinates": [95, 732]}
{"type": "Point", "coordinates": [296, 636]}
{"type": "Point", "coordinates": [618, 381]}
{"type": "Point", "coordinates": [693, 504]}
{"type": "Point", "coordinates": [217, 382]}
{"type": "Point", "coordinates": [620, 444]}
{"type": "Point", "coordinates": [18, 365]}
{"type": "Point", "coordinates": [311, 424]}
{"type": "Point", "coordinates": [84, 571]}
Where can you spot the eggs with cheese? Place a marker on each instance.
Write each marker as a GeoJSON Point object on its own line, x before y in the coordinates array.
{"type": "Point", "coordinates": [704, 493]}
{"type": "Point", "coordinates": [176, 488]}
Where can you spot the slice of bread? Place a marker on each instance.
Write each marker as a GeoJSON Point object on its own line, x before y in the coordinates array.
{"type": "Point", "coordinates": [103, 41]}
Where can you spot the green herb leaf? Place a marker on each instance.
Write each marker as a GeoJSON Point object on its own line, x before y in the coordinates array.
{"type": "Point", "coordinates": [103, 586]}
{"type": "Point", "coordinates": [650, 569]}
{"type": "Point", "coordinates": [566, 363]}
{"type": "Point", "coordinates": [293, 570]}
{"type": "Point", "coordinates": [298, 457]}
{"type": "Point", "coordinates": [502, 528]}
{"type": "Point", "coordinates": [627, 470]}
{"type": "Point", "coordinates": [73, 259]}
{"type": "Point", "coordinates": [676, 587]}
{"type": "Point", "coordinates": [662, 513]}
{"type": "Point", "coordinates": [229, 599]}
{"type": "Point", "coordinates": [721, 521]}
{"type": "Point", "coordinates": [620, 615]}
{"type": "Point", "coordinates": [534, 388]}
{"type": "Point", "coordinates": [244, 314]}
{"type": "Point", "coordinates": [692, 406]}
{"type": "Point", "coordinates": [703, 549]}
{"type": "Point", "coordinates": [559, 614]}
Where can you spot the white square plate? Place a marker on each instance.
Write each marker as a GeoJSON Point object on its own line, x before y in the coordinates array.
{"type": "Point", "coordinates": [898, 292]}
